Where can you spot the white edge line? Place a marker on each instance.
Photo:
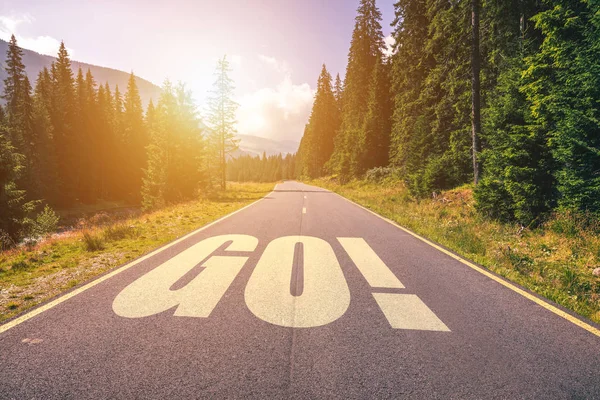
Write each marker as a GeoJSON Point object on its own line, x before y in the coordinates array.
{"type": "Point", "coordinates": [541, 302]}
{"type": "Point", "coordinates": [47, 306]}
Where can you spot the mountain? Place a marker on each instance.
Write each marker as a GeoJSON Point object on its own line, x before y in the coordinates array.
{"type": "Point", "coordinates": [255, 146]}
{"type": "Point", "coordinates": [35, 62]}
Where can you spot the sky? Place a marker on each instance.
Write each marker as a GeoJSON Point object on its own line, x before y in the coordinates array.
{"type": "Point", "coordinates": [276, 47]}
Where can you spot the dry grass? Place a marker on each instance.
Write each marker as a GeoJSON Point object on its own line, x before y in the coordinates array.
{"type": "Point", "coordinates": [555, 261]}
{"type": "Point", "coordinates": [31, 275]}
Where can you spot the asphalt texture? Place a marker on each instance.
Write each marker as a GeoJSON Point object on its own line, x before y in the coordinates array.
{"type": "Point", "coordinates": [447, 332]}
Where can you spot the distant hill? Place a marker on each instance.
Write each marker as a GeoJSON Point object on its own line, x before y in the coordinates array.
{"type": "Point", "coordinates": [35, 62]}
{"type": "Point", "coordinates": [255, 145]}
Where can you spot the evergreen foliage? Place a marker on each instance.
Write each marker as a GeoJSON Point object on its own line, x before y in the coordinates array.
{"type": "Point", "coordinates": [70, 141]}
{"type": "Point", "coordinates": [323, 125]}
{"type": "Point", "coordinates": [221, 119]}
{"type": "Point", "coordinates": [538, 96]}
{"type": "Point", "coordinates": [365, 49]}
{"type": "Point", "coordinates": [261, 169]}
{"type": "Point", "coordinates": [176, 167]}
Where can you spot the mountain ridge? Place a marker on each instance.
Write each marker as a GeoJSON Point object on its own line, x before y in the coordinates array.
{"type": "Point", "coordinates": [36, 62]}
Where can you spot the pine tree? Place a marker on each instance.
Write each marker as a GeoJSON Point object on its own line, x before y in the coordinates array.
{"type": "Point", "coordinates": [63, 120]}
{"type": "Point", "coordinates": [323, 125]}
{"type": "Point", "coordinates": [517, 182]}
{"type": "Point", "coordinates": [134, 140]}
{"type": "Point", "coordinates": [432, 128]}
{"type": "Point", "coordinates": [155, 174]}
{"type": "Point", "coordinates": [187, 173]}
{"type": "Point", "coordinates": [13, 206]}
{"type": "Point", "coordinates": [375, 146]}
{"type": "Point", "coordinates": [14, 90]}
{"type": "Point", "coordinates": [108, 147]}
{"type": "Point", "coordinates": [19, 110]}
{"type": "Point", "coordinates": [42, 157]}
{"type": "Point", "coordinates": [411, 64]}
{"type": "Point", "coordinates": [563, 88]}
{"type": "Point", "coordinates": [83, 142]}
{"type": "Point", "coordinates": [365, 48]}
{"type": "Point", "coordinates": [221, 118]}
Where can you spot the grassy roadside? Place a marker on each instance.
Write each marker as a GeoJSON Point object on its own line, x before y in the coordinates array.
{"type": "Point", "coordinates": [29, 276]}
{"type": "Point", "coordinates": [555, 261]}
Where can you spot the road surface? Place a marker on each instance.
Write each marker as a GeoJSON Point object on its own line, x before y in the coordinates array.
{"type": "Point", "coordinates": [301, 295]}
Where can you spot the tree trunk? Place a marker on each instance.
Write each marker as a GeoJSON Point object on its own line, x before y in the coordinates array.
{"type": "Point", "coordinates": [475, 89]}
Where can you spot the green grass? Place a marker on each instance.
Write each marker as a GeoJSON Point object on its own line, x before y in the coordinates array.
{"type": "Point", "coordinates": [29, 276]}
{"type": "Point", "coordinates": [555, 260]}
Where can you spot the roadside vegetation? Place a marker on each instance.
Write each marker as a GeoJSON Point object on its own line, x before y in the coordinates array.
{"type": "Point", "coordinates": [555, 260]}
{"type": "Point", "coordinates": [35, 272]}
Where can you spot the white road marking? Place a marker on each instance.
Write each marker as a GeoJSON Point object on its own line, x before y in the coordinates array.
{"type": "Point", "coordinates": [151, 294]}
{"type": "Point", "coordinates": [305, 197]}
{"type": "Point", "coordinates": [304, 210]}
{"type": "Point", "coordinates": [509, 285]}
{"type": "Point", "coordinates": [407, 311]}
{"type": "Point", "coordinates": [325, 296]}
{"type": "Point", "coordinates": [374, 270]}
{"type": "Point", "coordinates": [67, 296]}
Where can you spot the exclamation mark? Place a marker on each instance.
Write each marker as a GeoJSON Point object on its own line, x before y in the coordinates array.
{"type": "Point", "coordinates": [403, 311]}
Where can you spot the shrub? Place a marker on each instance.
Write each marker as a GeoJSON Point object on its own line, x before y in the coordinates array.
{"type": "Point", "coordinates": [379, 174]}
{"type": "Point", "coordinates": [93, 242]}
{"type": "Point", "coordinates": [119, 232]}
{"type": "Point", "coordinates": [6, 242]}
{"type": "Point", "coordinates": [46, 222]}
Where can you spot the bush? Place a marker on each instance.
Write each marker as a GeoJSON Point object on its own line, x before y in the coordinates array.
{"type": "Point", "coordinates": [93, 242]}
{"type": "Point", "coordinates": [379, 174]}
{"type": "Point", "coordinates": [119, 232]}
{"type": "Point", "coordinates": [46, 222]}
{"type": "Point", "coordinates": [6, 242]}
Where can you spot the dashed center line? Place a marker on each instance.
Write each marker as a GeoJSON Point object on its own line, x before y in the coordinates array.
{"type": "Point", "coordinates": [303, 210]}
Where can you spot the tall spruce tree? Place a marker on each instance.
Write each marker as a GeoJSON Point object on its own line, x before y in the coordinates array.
{"type": "Point", "coordinates": [154, 184]}
{"type": "Point", "coordinates": [66, 142]}
{"type": "Point", "coordinates": [42, 159]}
{"type": "Point", "coordinates": [83, 135]}
{"type": "Point", "coordinates": [411, 64]}
{"type": "Point", "coordinates": [187, 173]}
{"type": "Point", "coordinates": [13, 205]}
{"type": "Point", "coordinates": [563, 89]}
{"type": "Point", "coordinates": [517, 182]}
{"type": "Point", "coordinates": [135, 140]}
{"type": "Point", "coordinates": [221, 118]}
{"type": "Point", "coordinates": [323, 125]}
{"type": "Point", "coordinates": [365, 48]}
{"type": "Point", "coordinates": [19, 110]}
{"type": "Point", "coordinates": [375, 137]}
{"type": "Point", "coordinates": [176, 154]}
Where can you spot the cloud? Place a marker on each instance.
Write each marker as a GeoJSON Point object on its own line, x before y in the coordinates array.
{"type": "Point", "coordinates": [9, 25]}
{"type": "Point", "coordinates": [236, 60]}
{"type": "Point", "coordinates": [279, 112]}
{"type": "Point", "coordinates": [389, 45]}
{"type": "Point", "coordinates": [279, 66]}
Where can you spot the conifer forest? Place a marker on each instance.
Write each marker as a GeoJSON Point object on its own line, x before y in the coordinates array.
{"type": "Point", "coordinates": [500, 94]}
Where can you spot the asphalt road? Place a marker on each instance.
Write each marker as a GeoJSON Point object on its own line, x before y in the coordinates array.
{"type": "Point", "coordinates": [301, 295]}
